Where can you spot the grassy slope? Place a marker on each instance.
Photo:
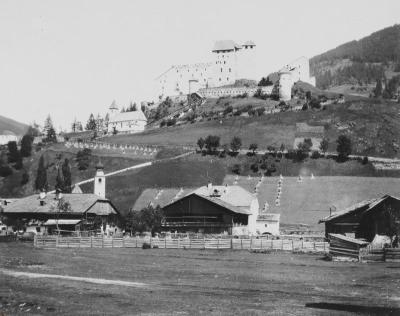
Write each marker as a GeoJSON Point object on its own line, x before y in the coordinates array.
{"type": "Point", "coordinates": [11, 187]}
{"type": "Point", "coordinates": [375, 132]}
{"type": "Point", "coordinates": [7, 124]}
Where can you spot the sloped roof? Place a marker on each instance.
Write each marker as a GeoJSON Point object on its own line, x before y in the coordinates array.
{"type": "Point", "coordinates": [365, 206]}
{"type": "Point", "coordinates": [8, 133]}
{"type": "Point", "coordinates": [233, 198]}
{"type": "Point", "coordinates": [128, 116]}
{"type": "Point", "coordinates": [225, 45]}
{"type": "Point", "coordinates": [233, 194]}
{"type": "Point", "coordinates": [113, 106]}
{"type": "Point", "coordinates": [80, 203]}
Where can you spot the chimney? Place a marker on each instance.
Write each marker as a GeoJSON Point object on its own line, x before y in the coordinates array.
{"type": "Point", "coordinates": [209, 186]}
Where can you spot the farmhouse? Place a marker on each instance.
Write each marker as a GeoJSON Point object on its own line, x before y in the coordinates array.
{"type": "Point", "coordinates": [366, 219]}
{"type": "Point", "coordinates": [43, 213]}
{"type": "Point", "coordinates": [219, 209]}
{"type": "Point", "coordinates": [126, 122]}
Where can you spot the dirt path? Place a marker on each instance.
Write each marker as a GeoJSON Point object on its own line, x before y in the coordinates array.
{"type": "Point", "coordinates": [72, 278]}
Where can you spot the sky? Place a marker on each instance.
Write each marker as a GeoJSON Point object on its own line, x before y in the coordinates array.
{"type": "Point", "coordinates": [72, 58]}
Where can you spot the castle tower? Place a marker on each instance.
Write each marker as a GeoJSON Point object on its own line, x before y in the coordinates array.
{"type": "Point", "coordinates": [247, 66]}
{"type": "Point", "coordinates": [225, 62]}
{"type": "Point", "coordinates": [100, 181]}
{"type": "Point", "coordinates": [113, 108]}
{"type": "Point", "coordinates": [285, 85]}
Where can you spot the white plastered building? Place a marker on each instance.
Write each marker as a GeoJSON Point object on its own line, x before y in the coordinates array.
{"type": "Point", "coordinates": [126, 122]}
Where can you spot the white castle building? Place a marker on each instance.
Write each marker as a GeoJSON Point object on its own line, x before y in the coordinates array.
{"type": "Point", "coordinates": [126, 122]}
{"type": "Point", "coordinates": [230, 62]}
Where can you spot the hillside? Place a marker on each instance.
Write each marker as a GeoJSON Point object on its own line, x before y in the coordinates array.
{"type": "Point", "coordinates": [361, 62]}
{"type": "Point", "coordinates": [373, 125]}
{"type": "Point", "coordinates": [7, 124]}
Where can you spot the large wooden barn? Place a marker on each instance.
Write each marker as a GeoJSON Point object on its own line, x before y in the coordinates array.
{"type": "Point", "coordinates": [218, 209]}
{"type": "Point", "coordinates": [366, 219]}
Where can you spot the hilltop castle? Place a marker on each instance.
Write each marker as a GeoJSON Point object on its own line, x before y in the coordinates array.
{"type": "Point", "coordinates": [230, 62]}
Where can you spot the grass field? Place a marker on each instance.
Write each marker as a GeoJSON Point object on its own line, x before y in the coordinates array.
{"type": "Point", "coordinates": [192, 282]}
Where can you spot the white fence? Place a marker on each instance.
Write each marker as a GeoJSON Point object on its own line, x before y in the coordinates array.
{"type": "Point", "coordinates": [181, 243]}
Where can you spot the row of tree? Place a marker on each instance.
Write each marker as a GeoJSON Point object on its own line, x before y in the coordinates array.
{"type": "Point", "coordinates": [63, 179]}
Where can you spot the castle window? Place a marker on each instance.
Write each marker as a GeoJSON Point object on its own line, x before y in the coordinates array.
{"type": "Point", "coordinates": [221, 69]}
{"type": "Point", "coordinates": [224, 62]}
{"type": "Point", "coordinates": [227, 79]}
{"type": "Point", "coordinates": [229, 69]}
{"type": "Point", "coordinates": [219, 79]}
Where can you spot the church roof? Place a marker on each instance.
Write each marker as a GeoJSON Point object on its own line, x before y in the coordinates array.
{"type": "Point", "coordinates": [80, 204]}
{"type": "Point", "coordinates": [113, 106]}
{"type": "Point", "coordinates": [128, 116]}
{"type": "Point", "coordinates": [225, 45]}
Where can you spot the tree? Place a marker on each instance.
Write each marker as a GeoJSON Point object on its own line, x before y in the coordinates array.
{"type": "Point", "coordinates": [48, 124]}
{"type": "Point", "coordinates": [212, 143]}
{"type": "Point", "coordinates": [62, 206]}
{"type": "Point", "coordinates": [66, 172]}
{"type": "Point", "coordinates": [25, 178]}
{"type": "Point", "coordinates": [83, 158]}
{"type": "Point", "coordinates": [13, 153]}
{"type": "Point", "coordinates": [265, 82]}
{"type": "Point", "coordinates": [323, 146]}
{"type": "Point", "coordinates": [236, 168]}
{"type": "Point", "coordinates": [343, 147]}
{"type": "Point", "coordinates": [91, 123]}
{"type": "Point", "coordinates": [41, 176]}
{"type": "Point", "coordinates": [201, 142]}
{"type": "Point", "coordinates": [26, 145]}
{"type": "Point", "coordinates": [106, 121]}
{"type": "Point", "coordinates": [378, 89]}
{"type": "Point", "coordinates": [303, 149]}
{"type": "Point", "coordinates": [253, 147]}
{"type": "Point", "coordinates": [236, 143]}
{"type": "Point", "coordinates": [51, 136]}
{"type": "Point", "coordinates": [99, 123]}
{"type": "Point", "coordinates": [76, 126]}
{"type": "Point", "coordinates": [147, 219]}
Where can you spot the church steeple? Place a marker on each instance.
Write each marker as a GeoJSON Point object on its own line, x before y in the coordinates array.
{"type": "Point", "coordinates": [113, 108]}
{"type": "Point", "coordinates": [100, 181]}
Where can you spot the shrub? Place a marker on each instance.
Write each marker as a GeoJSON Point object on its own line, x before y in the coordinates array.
{"type": "Point", "coordinates": [83, 158]}
{"type": "Point", "coordinates": [365, 160]}
{"type": "Point", "coordinates": [228, 109]}
{"type": "Point", "coordinates": [236, 168]}
{"type": "Point", "coordinates": [146, 245]}
{"type": "Point", "coordinates": [25, 178]}
{"type": "Point", "coordinates": [260, 111]}
{"type": "Point", "coordinates": [254, 167]}
{"type": "Point", "coordinates": [315, 154]}
{"type": "Point", "coordinates": [5, 171]}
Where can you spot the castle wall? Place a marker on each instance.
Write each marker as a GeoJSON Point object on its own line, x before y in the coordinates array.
{"type": "Point", "coordinates": [232, 91]}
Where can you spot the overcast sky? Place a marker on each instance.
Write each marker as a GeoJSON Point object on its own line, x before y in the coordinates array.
{"type": "Point", "coordinates": [70, 58]}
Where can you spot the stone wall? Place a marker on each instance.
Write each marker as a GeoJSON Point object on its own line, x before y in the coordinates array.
{"type": "Point", "coordinates": [232, 91]}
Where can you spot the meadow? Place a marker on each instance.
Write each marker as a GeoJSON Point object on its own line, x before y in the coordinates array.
{"type": "Point", "coordinates": [190, 282]}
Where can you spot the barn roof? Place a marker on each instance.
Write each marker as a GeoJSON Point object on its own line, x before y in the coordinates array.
{"type": "Point", "coordinates": [80, 204]}
{"type": "Point", "coordinates": [363, 206]}
{"type": "Point", "coordinates": [128, 116]}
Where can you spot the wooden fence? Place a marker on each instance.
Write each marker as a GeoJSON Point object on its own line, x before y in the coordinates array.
{"type": "Point", "coordinates": [181, 243]}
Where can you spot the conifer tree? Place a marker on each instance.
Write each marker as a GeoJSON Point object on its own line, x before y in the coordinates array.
{"type": "Point", "coordinates": [41, 176]}
{"type": "Point", "coordinates": [66, 173]}
{"type": "Point", "coordinates": [91, 123]}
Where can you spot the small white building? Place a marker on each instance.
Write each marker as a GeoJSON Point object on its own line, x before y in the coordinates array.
{"type": "Point", "coordinates": [126, 122]}
{"type": "Point", "coordinates": [8, 136]}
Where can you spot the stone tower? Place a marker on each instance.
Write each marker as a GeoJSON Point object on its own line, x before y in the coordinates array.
{"type": "Point", "coordinates": [285, 85]}
{"type": "Point", "coordinates": [100, 181]}
{"type": "Point", "coordinates": [113, 108]}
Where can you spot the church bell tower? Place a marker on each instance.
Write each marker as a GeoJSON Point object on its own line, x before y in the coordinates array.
{"type": "Point", "coordinates": [100, 181]}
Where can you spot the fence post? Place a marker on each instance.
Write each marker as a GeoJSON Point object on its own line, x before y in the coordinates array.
{"type": "Point", "coordinates": [102, 241]}
{"type": "Point", "coordinates": [165, 242]}
{"type": "Point", "coordinates": [136, 241]}
{"type": "Point", "coordinates": [231, 243]}
{"type": "Point", "coordinates": [251, 241]}
{"type": "Point", "coordinates": [190, 243]}
{"type": "Point", "coordinates": [241, 243]}
{"type": "Point", "coordinates": [292, 245]}
{"type": "Point", "coordinates": [112, 241]}
{"type": "Point", "coordinates": [261, 243]}
{"type": "Point", "coordinates": [151, 240]}
{"type": "Point", "coordinates": [123, 242]}
{"type": "Point", "coordinates": [57, 241]}
{"type": "Point", "coordinates": [79, 242]}
{"type": "Point", "coordinates": [217, 243]}
{"type": "Point", "coordinates": [178, 242]}
{"type": "Point", "coordinates": [204, 241]}
{"type": "Point", "coordinates": [91, 241]}
{"type": "Point", "coordinates": [34, 241]}
{"type": "Point", "coordinates": [282, 245]}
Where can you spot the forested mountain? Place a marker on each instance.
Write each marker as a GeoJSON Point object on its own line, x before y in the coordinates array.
{"type": "Point", "coordinates": [365, 61]}
{"type": "Point", "coordinates": [7, 124]}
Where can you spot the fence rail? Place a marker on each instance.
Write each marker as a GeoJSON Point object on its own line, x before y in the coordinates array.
{"type": "Point", "coordinates": [180, 243]}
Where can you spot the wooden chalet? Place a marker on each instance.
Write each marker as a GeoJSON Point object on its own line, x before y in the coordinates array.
{"type": "Point", "coordinates": [366, 219]}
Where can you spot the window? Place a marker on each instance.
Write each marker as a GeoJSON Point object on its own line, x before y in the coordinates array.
{"type": "Point", "coordinates": [219, 79]}
{"type": "Point", "coordinates": [99, 180]}
{"type": "Point", "coordinates": [229, 69]}
{"type": "Point", "coordinates": [224, 62]}
{"type": "Point", "coordinates": [227, 79]}
{"type": "Point", "coordinates": [266, 225]}
{"type": "Point", "coordinates": [38, 229]}
{"type": "Point", "coordinates": [221, 69]}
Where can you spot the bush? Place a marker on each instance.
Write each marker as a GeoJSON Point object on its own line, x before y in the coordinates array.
{"type": "Point", "coordinates": [5, 171]}
{"type": "Point", "coordinates": [83, 158]}
{"type": "Point", "coordinates": [25, 178]}
{"type": "Point", "coordinates": [237, 169]}
{"type": "Point", "coordinates": [254, 167]}
{"type": "Point", "coordinates": [146, 245]}
{"type": "Point", "coordinates": [315, 154]}
{"type": "Point", "coordinates": [364, 160]}
{"type": "Point", "coordinates": [260, 111]}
